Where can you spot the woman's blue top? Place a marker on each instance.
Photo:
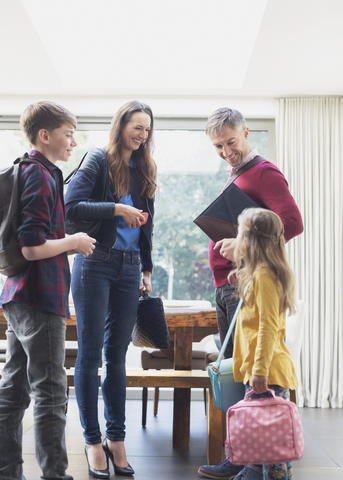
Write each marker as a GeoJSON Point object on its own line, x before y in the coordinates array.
{"type": "Point", "coordinates": [127, 238]}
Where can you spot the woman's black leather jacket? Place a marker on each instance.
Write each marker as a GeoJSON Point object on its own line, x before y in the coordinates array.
{"type": "Point", "coordinates": [88, 184]}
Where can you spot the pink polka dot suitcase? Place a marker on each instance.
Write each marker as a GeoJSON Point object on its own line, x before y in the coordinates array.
{"type": "Point", "coordinates": [264, 431]}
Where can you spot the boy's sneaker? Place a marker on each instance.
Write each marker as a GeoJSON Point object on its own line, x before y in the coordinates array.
{"type": "Point", "coordinates": [250, 473]}
{"type": "Point", "coordinates": [224, 470]}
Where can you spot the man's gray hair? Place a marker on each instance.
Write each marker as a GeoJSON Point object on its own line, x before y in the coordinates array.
{"type": "Point", "coordinates": [224, 117]}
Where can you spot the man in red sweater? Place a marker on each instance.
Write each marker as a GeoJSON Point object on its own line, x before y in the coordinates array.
{"type": "Point", "coordinates": [267, 186]}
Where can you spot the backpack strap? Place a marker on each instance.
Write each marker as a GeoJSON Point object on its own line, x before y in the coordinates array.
{"type": "Point", "coordinates": [25, 159]}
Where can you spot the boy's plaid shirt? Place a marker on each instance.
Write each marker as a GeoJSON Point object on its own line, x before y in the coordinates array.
{"type": "Point", "coordinates": [45, 283]}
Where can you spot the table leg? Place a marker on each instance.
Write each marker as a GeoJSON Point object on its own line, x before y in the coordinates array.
{"type": "Point", "coordinates": [223, 427]}
{"type": "Point", "coordinates": [183, 348]}
{"type": "Point", "coordinates": [181, 421]}
{"type": "Point", "coordinates": [214, 433]}
{"type": "Point", "coordinates": [182, 396]}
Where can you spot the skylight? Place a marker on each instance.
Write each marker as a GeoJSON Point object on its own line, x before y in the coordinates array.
{"type": "Point", "coordinates": [150, 44]}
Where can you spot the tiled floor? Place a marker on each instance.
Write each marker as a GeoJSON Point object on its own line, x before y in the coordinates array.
{"type": "Point", "coordinates": [151, 455]}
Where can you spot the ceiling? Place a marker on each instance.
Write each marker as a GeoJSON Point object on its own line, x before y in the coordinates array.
{"type": "Point", "coordinates": [259, 48]}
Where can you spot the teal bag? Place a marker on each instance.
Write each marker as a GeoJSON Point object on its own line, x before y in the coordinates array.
{"type": "Point", "coordinates": [226, 392]}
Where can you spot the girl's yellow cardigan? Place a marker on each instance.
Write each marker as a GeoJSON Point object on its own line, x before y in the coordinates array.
{"type": "Point", "coordinates": [259, 346]}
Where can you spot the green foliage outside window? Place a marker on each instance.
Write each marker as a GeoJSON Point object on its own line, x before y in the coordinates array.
{"type": "Point", "coordinates": [190, 177]}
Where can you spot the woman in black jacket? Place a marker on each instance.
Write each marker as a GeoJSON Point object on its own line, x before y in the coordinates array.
{"type": "Point", "coordinates": [106, 285]}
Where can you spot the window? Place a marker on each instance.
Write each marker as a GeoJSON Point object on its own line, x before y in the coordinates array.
{"type": "Point", "coordinates": [190, 176]}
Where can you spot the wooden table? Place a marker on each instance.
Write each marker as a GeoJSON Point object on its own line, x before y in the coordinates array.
{"type": "Point", "coordinates": [185, 326]}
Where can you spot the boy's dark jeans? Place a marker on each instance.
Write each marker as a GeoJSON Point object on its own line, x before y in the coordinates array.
{"type": "Point", "coordinates": [34, 366]}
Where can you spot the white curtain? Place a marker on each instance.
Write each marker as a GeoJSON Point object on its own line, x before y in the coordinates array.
{"type": "Point", "coordinates": [310, 141]}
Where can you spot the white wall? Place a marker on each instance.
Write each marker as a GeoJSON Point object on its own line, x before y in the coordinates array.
{"type": "Point", "coordinates": [171, 106]}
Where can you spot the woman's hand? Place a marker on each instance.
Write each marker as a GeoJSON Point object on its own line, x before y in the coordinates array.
{"type": "Point", "coordinates": [146, 281]}
{"type": "Point", "coordinates": [259, 384]}
{"type": "Point", "coordinates": [131, 215]}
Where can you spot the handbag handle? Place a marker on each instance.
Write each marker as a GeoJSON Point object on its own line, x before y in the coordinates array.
{"type": "Point", "coordinates": [232, 324]}
{"type": "Point", "coordinates": [71, 174]}
{"type": "Point", "coordinates": [74, 172]}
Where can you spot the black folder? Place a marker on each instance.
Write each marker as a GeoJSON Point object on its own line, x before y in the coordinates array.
{"type": "Point", "coordinates": [220, 219]}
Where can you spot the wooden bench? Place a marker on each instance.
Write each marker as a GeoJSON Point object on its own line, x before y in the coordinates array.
{"type": "Point", "coordinates": [180, 379]}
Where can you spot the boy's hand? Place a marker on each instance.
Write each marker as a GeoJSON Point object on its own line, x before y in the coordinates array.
{"type": "Point", "coordinates": [259, 384]}
{"type": "Point", "coordinates": [83, 243]}
{"type": "Point", "coordinates": [227, 247]}
{"type": "Point", "coordinates": [77, 243]}
{"type": "Point", "coordinates": [131, 215]}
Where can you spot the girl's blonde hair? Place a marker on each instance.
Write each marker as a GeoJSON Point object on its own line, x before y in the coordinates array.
{"type": "Point", "coordinates": [260, 242]}
{"type": "Point", "coordinates": [146, 167]}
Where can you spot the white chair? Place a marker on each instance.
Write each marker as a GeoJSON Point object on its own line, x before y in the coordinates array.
{"type": "Point", "coordinates": [294, 336]}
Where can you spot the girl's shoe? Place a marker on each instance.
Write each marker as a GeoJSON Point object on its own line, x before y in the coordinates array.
{"type": "Point", "coordinates": [96, 473]}
{"type": "Point", "coordinates": [223, 471]}
{"type": "Point", "coordinates": [250, 473]}
{"type": "Point", "coordinates": [117, 470]}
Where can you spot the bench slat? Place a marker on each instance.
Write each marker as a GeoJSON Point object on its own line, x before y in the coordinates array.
{"type": "Point", "coordinates": [168, 378]}
{"type": "Point", "coordinates": [159, 378]}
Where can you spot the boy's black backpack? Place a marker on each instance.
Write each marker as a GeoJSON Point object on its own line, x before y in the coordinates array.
{"type": "Point", "coordinates": [12, 260]}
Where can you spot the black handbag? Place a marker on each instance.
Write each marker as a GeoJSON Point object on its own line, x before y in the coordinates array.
{"type": "Point", "coordinates": [150, 329]}
{"type": "Point", "coordinates": [90, 227]}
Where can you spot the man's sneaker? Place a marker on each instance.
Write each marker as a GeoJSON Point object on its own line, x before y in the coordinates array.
{"type": "Point", "coordinates": [224, 470]}
{"type": "Point", "coordinates": [250, 473]}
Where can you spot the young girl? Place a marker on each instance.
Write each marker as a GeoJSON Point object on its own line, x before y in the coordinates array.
{"type": "Point", "coordinates": [260, 358]}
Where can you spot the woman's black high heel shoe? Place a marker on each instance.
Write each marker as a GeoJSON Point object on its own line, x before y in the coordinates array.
{"type": "Point", "coordinates": [117, 470]}
{"type": "Point", "coordinates": [96, 473]}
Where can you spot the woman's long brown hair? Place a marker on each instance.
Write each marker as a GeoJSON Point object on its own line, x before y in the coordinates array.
{"type": "Point", "coordinates": [146, 167]}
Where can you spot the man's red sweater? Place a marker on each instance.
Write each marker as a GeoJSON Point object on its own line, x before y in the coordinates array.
{"type": "Point", "coordinates": [267, 186]}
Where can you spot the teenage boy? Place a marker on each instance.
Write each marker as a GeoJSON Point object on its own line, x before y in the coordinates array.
{"type": "Point", "coordinates": [35, 301]}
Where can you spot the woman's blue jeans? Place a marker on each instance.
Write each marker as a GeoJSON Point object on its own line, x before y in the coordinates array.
{"type": "Point", "coordinates": [105, 288]}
